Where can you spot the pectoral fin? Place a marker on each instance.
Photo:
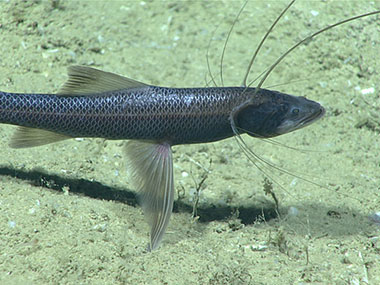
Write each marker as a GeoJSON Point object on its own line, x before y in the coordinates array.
{"type": "Point", "coordinates": [151, 168]}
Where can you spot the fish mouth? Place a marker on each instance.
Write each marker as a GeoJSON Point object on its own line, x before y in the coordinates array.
{"type": "Point", "coordinates": [288, 127]}
{"type": "Point", "coordinates": [315, 116]}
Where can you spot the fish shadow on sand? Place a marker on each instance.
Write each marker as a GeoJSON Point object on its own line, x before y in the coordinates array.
{"type": "Point", "coordinates": [321, 220]}
{"type": "Point", "coordinates": [97, 190]}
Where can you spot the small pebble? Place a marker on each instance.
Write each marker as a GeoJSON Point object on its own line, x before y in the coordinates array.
{"type": "Point", "coordinates": [293, 211]}
{"type": "Point", "coordinates": [185, 174]}
{"type": "Point", "coordinates": [314, 13]}
{"type": "Point", "coordinates": [375, 218]}
{"type": "Point", "coordinates": [367, 91]}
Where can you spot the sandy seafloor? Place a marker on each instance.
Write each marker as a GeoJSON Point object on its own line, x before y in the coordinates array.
{"type": "Point", "coordinates": [68, 213]}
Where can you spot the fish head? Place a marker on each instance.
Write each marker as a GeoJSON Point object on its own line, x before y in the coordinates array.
{"type": "Point", "coordinates": [271, 113]}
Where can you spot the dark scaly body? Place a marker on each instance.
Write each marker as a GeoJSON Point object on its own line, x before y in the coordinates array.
{"type": "Point", "coordinates": [175, 115]}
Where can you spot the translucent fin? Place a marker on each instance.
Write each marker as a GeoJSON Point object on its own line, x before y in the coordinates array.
{"type": "Point", "coordinates": [85, 80]}
{"type": "Point", "coordinates": [29, 137]}
{"type": "Point", "coordinates": [151, 167]}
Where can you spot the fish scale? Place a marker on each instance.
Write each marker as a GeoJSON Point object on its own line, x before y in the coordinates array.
{"type": "Point", "coordinates": [183, 115]}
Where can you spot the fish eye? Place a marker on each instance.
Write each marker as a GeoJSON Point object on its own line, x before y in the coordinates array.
{"type": "Point", "coordinates": [295, 111]}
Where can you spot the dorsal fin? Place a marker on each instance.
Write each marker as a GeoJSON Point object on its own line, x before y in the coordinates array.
{"type": "Point", "coordinates": [85, 80]}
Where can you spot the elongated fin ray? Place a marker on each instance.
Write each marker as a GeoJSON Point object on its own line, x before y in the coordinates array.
{"type": "Point", "coordinates": [244, 84]}
{"type": "Point", "coordinates": [30, 137]}
{"type": "Point", "coordinates": [85, 80]}
{"type": "Point", "coordinates": [151, 168]}
{"type": "Point", "coordinates": [308, 38]}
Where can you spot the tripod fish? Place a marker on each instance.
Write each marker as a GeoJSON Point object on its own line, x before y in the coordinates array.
{"type": "Point", "coordinates": [94, 103]}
